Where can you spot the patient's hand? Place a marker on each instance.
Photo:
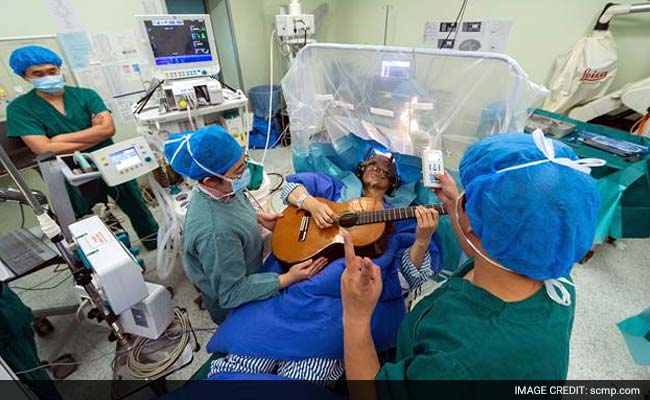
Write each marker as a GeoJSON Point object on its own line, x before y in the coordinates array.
{"type": "Point", "coordinates": [324, 216]}
{"type": "Point", "coordinates": [427, 224]}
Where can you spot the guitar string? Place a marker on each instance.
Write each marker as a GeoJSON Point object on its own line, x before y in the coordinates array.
{"type": "Point", "coordinates": [391, 214]}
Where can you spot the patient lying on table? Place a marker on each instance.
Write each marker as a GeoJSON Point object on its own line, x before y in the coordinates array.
{"type": "Point", "coordinates": [298, 334]}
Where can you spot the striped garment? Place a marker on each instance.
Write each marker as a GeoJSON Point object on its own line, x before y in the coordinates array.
{"type": "Point", "coordinates": [287, 189]}
{"type": "Point", "coordinates": [320, 371]}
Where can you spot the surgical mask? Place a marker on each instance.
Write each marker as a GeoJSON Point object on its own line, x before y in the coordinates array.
{"type": "Point", "coordinates": [239, 184]}
{"type": "Point", "coordinates": [51, 84]}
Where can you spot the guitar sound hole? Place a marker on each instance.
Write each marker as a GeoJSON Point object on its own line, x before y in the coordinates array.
{"type": "Point", "coordinates": [347, 220]}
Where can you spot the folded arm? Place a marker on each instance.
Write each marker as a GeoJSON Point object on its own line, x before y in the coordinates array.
{"type": "Point", "coordinates": [102, 129]}
{"type": "Point", "coordinates": [42, 144]}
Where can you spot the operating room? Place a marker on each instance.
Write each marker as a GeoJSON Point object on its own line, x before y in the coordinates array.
{"type": "Point", "coordinates": [324, 199]}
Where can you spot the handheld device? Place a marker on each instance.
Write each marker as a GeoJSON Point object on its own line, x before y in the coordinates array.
{"type": "Point", "coordinates": [431, 166]}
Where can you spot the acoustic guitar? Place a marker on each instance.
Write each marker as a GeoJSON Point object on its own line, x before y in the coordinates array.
{"type": "Point", "coordinates": [297, 238]}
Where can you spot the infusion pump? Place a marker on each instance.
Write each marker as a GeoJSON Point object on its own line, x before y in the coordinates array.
{"type": "Point", "coordinates": [115, 164]}
{"type": "Point", "coordinates": [124, 161]}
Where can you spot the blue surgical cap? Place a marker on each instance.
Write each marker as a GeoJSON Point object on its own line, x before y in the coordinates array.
{"type": "Point", "coordinates": [206, 152]}
{"type": "Point", "coordinates": [538, 220]}
{"type": "Point", "coordinates": [24, 57]}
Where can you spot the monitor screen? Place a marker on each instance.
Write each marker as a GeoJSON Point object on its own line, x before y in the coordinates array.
{"type": "Point", "coordinates": [178, 41]}
{"type": "Point", "coordinates": [126, 158]}
{"type": "Point", "coordinates": [395, 69]}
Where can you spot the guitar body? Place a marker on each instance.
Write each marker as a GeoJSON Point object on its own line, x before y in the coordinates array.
{"type": "Point", "coordinates": [297, 238]}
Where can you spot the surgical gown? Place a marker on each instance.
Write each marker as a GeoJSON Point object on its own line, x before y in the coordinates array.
{"type": "Point", "coordinates": [17, 344]}
{"type": "Point", "coordinates": [463, 332]}
{"type": "Point", "coordinates": [222, 246]}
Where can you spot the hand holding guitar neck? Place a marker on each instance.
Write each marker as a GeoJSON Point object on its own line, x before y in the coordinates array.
{"type": "Point", "coordinates": [427, 223]}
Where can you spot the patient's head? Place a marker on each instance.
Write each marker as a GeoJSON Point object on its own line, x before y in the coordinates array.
{"type": "Point", "coordinates": [379, 173]}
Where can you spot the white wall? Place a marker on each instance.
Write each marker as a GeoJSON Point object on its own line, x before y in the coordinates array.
{"type": "Point", "coordinates": [541, 30]}
{"type": "Point", "coordinates": [253, 23]}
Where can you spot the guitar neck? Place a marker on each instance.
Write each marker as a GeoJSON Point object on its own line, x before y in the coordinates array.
{"type": "Point", "coordinates": [393, 214]}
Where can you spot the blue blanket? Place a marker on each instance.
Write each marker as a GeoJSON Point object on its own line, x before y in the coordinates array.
{"type": "Point", "coordinates": [304, 320]}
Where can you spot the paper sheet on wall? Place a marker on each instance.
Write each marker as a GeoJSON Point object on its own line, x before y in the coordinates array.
{"type": "Point", "coordinates": [475, 35]}
{"type": "Point", "coordinates": [121, 106]}
{"type": "Point", "coordinates": [65, 15]}
{"type": "Point", "coordinates": [114, 79]}
{"type": "Point", "coordinates": [93, 78]}
{"type": "Point", "coordinates": [77, 48]}
{"type": "Point", "coordinates": [115, 85]}
{"type": "Point", "coordinates": [116, 47]}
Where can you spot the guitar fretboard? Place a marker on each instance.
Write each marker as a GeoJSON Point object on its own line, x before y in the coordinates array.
{"type": "Point", "coordinates": [393, 214]}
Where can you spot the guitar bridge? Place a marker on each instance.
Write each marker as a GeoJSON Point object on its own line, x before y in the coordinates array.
{"type": "Point", "coordinates": [304, 227]}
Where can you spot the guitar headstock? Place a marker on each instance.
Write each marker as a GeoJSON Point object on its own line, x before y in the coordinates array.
{"type": "Point", "coordinates": [348, 220]}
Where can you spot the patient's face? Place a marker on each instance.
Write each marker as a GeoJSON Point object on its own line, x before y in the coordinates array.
{"type": "Point", "coordinates": [376, 176]}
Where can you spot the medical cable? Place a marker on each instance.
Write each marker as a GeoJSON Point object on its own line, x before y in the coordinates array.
{"type": "Point", "coordinates": [189, 113]}
{"type": "Point", "coordinates": [22, 216]}
{"type": "Point", "coordinates": [168, 236]}
{"type": "Point", "coordinates": [169, 246]}
{"type": "Point", "coordinates": [140, 104]}
{"type": "Point", "coordinates": [109, 353]}
{"type": "Point", "coordinates": [460, 21]}
{"type": "Point", "coordinates": [216, 78]}
{"type": "Point", "coordinates": [639, 126]}
{"type": "Point", "coordinates": [270, 116]}
{"type": "Point", "coordinates": [115, 198]}
{"type": "Point", "coordinates": [279, 185]}
{"type": "Point", "coordinates": [282, 135]}
{"type": "Point", "coordinates": [77, 314]}
{"type": "Point", "coordinates": [461, 12]}
{"type": "Point", "coordinates": [139, 368]}
{"type": "Point", "coordinates": [37, 288]}
{"type": "Point", "coordinates": [56, 269]}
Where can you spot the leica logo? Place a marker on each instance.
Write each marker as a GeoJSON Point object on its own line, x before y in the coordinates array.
{"type": "Point", "coordinates": [591, 75]}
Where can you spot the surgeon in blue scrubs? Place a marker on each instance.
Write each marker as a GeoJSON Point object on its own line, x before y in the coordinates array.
{"type": "Point", "coordinates": [222, 244]}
